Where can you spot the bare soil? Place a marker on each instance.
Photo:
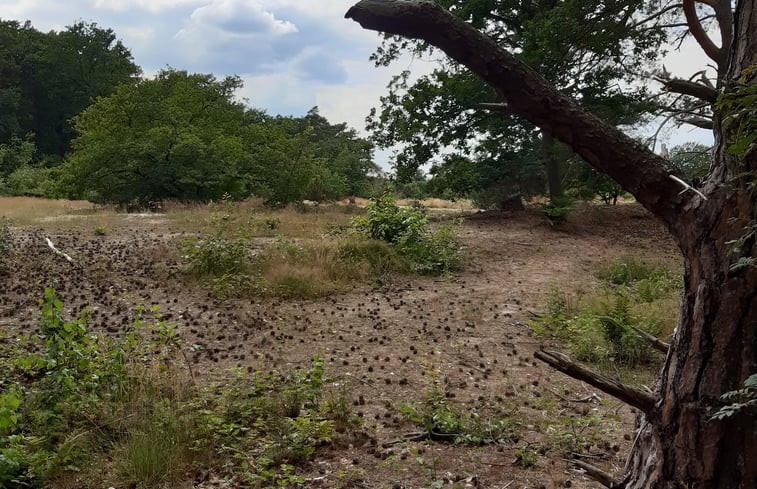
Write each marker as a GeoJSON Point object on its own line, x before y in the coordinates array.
{"type": "Point", "coordinates": [468, 334]}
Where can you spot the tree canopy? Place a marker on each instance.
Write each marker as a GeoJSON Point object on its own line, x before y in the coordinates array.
{"type": "Point", "coordinates": [48, 78]}
{"type": "Point", "coordinates": [184, 136]}
{"type": "Point", "coordinates": [587, 50]}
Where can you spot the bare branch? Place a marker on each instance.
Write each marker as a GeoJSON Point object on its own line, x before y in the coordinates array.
{"type": "Point", "coordinates": [695, 27]}
{"type": "Point", "coordinates": [699, 122]}
{"type": "Point", "coordinates": [595, 473]}
{"type": "Point", "coordinates": [657, 14]}
{"type": "Point", "coordinates": [686, 87]}
{"type": "Point", "coordinates": [630, 395]}
{"type": "Point", "coordinates": [498, 107]}
{"type": "Point", "coordinates": [653, 341]}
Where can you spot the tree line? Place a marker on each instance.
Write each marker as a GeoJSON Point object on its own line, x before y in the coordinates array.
{"type": "Point", "coordinates": [77, 120]}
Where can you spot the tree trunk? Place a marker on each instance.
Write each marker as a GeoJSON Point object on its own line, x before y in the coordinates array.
{"type": "Point", "coordinates": [551, 165]}
{"type": "Point", "coordinates": [715, 346]}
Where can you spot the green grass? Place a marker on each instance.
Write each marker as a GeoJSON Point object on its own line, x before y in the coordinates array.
{"type": "Point", "coordinates": [598, 327]}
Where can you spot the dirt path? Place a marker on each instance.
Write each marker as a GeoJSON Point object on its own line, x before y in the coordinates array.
{"type": "Point", "coordinates": [466, 337]}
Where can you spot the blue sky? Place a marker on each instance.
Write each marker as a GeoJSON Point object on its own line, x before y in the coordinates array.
{"type": "Point", "coordinates": [291, 54]}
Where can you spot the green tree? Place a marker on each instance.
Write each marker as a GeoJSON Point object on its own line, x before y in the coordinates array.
{"type": "Point", "coordinates": [296, 158]}
{"type": "Point", "coordinates": [46, 79]}
{"type": "Point", "coordinates": [692, 158]}
{"type": "Point", "coordinates": [176, 136]}
{"type": "Point", "coordinates": [584, 48]}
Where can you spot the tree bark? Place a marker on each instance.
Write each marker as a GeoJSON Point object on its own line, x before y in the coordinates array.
{"type": "Point", "coordinates": [715, 346]}
{"type": "Point", "coordinates": [551, 165]}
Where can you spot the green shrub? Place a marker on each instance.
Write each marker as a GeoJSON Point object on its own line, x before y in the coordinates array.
{"type": "Point", "coordinates": [85, 399]}
{"type": "Point", "coordinates": [558, 208]}
{"type": "Point", "coordinates": [627, 270]}
{"type": "Point", "coordinates": [406, 229]}
{"type": "Point", "coordinates": [213, 257]}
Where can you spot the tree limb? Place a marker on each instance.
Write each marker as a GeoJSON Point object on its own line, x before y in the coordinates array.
{"type": "Point", "coordinates": [630, 395]}
{"type": "Point", "coordinates": [699, 122]}
{"type": "Point", "coordinates": [717, 54]}
{"type": "Point", "coordinates": [529, 95]}
{"type": "Point", "coordinates": [653, 341]}
{"type": "Point", "coordinates": [595, 473]}
{"type": "Point", "coordinates": [686, 87]}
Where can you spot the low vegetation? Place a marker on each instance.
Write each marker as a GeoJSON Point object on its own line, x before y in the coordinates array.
{"type": "Point", "coordinates": [389, 239]}
{"type": "Point", "coordinates": [601, 327]}
{"type": "Point", "coordinates": [126, 412]}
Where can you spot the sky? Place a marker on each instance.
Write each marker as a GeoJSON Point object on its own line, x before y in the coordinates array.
{"type": "Point", "coordinates": [291, 54]}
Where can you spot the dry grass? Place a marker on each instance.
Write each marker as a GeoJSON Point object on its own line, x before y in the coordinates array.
{"type": "Point", "coordinates": [30, 210]}
{"type": "Point", "coordinates": [310, 269]}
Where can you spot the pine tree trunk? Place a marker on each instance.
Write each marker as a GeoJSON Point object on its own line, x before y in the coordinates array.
{"type": "Point", "coordinates": [714, 349]}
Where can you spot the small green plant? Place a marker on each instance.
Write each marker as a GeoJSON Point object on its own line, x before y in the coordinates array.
{"type": "Point", "coordinates": [558, 208]}
{"type": "Point", "coordinates": [526, 456]}
{"type": "Point", "coordinates": [742, 401]}
{"type": "Point", "coordinates": [101, 231]}
{"type": "Point", "coordinates": [443, 422]}
{"type": "Point", "coordinates": [6, 246]}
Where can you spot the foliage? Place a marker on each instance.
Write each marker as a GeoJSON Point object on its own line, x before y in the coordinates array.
{"type": "Point", "coordinates": [557, 208]}
{"type": "Point", "coordinates": [176, 136]}
{"type": "Point", "coordinates": [6, 246]}
{"type": "Point", "coordinates": [441, 421]}
{"type": "Point", "coordinates": [600, 328]}
{"type": "Point", "coordinates": [693, 159]}
{"type": "Point", "coordinates": [440, 113]}
{"type": "Point", "coordinates": [406, 229]}
{"type": "Point", "coordinates": [740, 120]}
{"type": "Point", "coordinates": [86, 398]}
{"type": "Point", "coordinates": [743, 401]}
{"type": "Point", "coordinates": [48, 78]}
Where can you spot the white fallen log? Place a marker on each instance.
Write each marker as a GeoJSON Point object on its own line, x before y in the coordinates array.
{"type": "Point", "coordinates": [58, 252]}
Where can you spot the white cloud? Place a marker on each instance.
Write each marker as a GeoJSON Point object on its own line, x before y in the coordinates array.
{"type": "Point", "coordinates": [152, 6]}
{"type": "Point", "coordinates": [236, 18]}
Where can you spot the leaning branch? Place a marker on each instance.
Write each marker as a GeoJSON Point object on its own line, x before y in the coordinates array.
{"type": "Point", "coordinates": [595, 473]}
{"type": "Point", "coordinates": [630, 395]}
{"type": "Point", "coordinates": [529, 95]}
{"type": "Point", "coordinates": [653, 340]}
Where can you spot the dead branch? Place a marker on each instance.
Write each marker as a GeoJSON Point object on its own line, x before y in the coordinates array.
{"type": "Point", "coordinates": [686, 87]}
{"type": "Point", "coordinates": [653, 341]}
{"type": "Point", "coordinates": [595, 473]}
{"type": "Point", "coordinates": [58, 252]}
{"type": "Point", "coordinates": [630, 395]}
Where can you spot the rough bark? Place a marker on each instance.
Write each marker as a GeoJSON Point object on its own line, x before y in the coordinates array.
{"type": "Point", "coordinates": [551, 165]}
{"type": "Point", "coordinates": [715, 346]}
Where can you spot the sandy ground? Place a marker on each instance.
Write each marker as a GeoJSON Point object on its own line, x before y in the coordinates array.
{"type": "Point", "coordinates": [467, 336]}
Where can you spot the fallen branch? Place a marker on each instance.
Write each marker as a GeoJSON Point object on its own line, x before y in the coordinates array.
{"type": "Point", "coordinates": [58, 252]}
{"type": "Point", "coordinates": [630, 395]}
{"type": "Point", "coordinates": [595, 473]}
{"type": "Point", "coordinates": [653, 341]}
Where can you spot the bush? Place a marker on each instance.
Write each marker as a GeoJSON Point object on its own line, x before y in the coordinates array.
{"type": "Point", "coordinates": [406, 229]}
{"type": "Point", "coordinates": [599, 328]}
